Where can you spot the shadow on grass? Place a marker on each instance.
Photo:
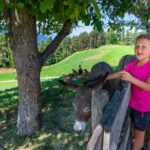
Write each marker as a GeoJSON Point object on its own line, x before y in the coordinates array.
{"type": "Point", "coordinates": [57, 123]}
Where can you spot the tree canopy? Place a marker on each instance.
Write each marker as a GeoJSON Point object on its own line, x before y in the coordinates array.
{"type": "Point", "coordinates": [23, 19]}
{"type": "Point", "coordinates": [141, 11]}
{"type": "Point", "coordinates": [51, 14]}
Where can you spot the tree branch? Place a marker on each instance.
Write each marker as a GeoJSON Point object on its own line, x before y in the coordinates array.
{"type": "Point", "coordinates": [51, 48]}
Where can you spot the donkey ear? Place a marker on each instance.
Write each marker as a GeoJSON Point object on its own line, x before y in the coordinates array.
{"type": "Point", "coordinates": [69, 86]}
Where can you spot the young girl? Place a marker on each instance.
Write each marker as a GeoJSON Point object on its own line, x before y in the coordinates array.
{"type": "Point", "coordinates": [138, 74]}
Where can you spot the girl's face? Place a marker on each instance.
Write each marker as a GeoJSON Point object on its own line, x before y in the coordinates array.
{"type": "Point", "coordinates": [142, 50]}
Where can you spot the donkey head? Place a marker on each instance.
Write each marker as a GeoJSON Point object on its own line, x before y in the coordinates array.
{"type": "Point", "coordinates": [82, 107]}
{"type": "Point", "coordinates": [82, 100]}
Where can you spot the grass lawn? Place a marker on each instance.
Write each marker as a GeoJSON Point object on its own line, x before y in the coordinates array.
{"type": "Point", "coordinates": [57, 122]}
{"type": "Point", "coordinates": [7, 85]}
{"type": "Point", "coordinates": [58, 115]}
{"type": "Point", "coordinates": [108, 53]}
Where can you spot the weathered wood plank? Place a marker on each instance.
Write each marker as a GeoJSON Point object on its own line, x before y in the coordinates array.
{"type": "Point", "coordinates": [95, 137]}
{"type": "Point", "coordinates": [129, 144]}
{"type": "Point", "coordinates": [106, 140]}
{"type": "Point", "coordinates": [112, 109]}
{"type": "Point", "coordinates": [125, 134]}
{"type": "Point", "coordinates": [100, 99]}
{"type": "Point", "coordinates": [112, 117]}
{"type": "Point", "coordinates": [119, 119]}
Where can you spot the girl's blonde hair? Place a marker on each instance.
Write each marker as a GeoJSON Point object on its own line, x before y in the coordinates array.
{"type": "Point", "coordinates": [143, 36]}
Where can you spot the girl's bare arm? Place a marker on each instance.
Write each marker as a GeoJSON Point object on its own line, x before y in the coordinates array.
{"type": "Point", "coordinates": [114, 76]}
{"type": "Point", "coordinates": [141, 84]}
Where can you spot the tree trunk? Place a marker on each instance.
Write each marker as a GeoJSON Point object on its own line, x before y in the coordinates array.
{"type": "Point", "coordinates": [28, 61]}
{"type": "Point", "coordinates": [24, 44]}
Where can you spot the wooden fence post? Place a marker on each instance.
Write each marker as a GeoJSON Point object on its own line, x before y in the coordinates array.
{"type": "Point", "coordinates": [126, 137]}
{"type": "Point", "coordinates": [100, 99]}
{"type": "Point", "coordinates": [119, 120]}
{"type": "Point", "coordinates": [111, 124]}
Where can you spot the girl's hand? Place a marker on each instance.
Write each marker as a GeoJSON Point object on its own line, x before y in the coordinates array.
{"type": "Point", "coordinates": [126, 76]}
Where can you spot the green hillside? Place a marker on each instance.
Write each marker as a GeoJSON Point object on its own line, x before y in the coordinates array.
{"type": "Point", "coordinates": [57, 111]}
{"type": "Point", "coordinates": [108, 53]}
{"type": "Point", "coordinates": [87, 58]}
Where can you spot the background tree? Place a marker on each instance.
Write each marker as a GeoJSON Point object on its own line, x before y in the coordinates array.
{"type": "Point", "coordinates": [24, 19]}
{"type": "Point", "coordinates": [83, 41]}
{"type": "Point", "coordinates": [141, 10]}
{"type": "Point", "coordinates": [130, 37]}
{"type": "Point", "coordinates": [96, 38]}
{"type": "Point", "coordinates": [6, 58]}
{"type": "Point", "coordinates": [112, 37]}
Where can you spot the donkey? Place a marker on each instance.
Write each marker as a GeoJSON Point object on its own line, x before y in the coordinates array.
{"type": "Point", "coordinates": [122, 63]}
{"type": "Point", "coordinates": [125, 60]}
{"type": "Point", "coordinates": [82, 100]}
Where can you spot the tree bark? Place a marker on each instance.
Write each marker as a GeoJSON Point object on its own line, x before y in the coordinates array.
{"type": "Point", "coordinates": [23, 40]}
{"type": "Point", "coordinates": [51, 48]}
{"type": "Point", "coordinates": [28, 61]}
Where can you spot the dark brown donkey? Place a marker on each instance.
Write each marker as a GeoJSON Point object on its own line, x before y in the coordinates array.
{"type": "Point", "coordinates": [82, 100]}
{"type": "Point", "coordinates": [122, 63]}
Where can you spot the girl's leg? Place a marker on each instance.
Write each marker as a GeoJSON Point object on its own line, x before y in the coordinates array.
{"type": "Point", "coordinates": [148, 135]}
{"type": "Point", "coordinates": [138, 139]}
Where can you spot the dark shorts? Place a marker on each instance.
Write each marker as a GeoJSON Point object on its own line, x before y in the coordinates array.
{"type": "Point", "coordinates": [140, 119]}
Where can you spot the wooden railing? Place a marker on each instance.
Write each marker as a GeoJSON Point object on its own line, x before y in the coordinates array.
{"type": "Point", "coordinates": [111, 125]}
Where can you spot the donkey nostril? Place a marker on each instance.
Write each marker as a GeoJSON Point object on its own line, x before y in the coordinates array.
{"type": "Point", "coordinates": [79, 126]}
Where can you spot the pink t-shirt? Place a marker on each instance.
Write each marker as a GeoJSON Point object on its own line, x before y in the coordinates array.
{"type": "Point", "coordinates": [140, 99]}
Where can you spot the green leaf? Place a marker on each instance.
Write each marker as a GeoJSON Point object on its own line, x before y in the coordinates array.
{"type": "Point", "coordinates": [42, 7]}
{"type": "Point", "coordinates": [98, 25]}
{"type": "Point", "coordinates": [96, 8]}
{"type": "Point", "coordinates": [1, 5]}
{"type": "Point", "coordinates": [77, 11]}
{"type": "Point", "coordinates": [10, 5]}
{"type": "Point", "coordinates": [33, 10]}
{"type": "Point", "coordinates": [19, 5]}
{"type": "Point", "coordinates": [46, 5]}
{"type": "Point", "coordinates": [66, 3]}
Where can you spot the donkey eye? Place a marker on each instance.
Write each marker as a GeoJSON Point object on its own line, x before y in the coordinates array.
{"type": "Point", "coordinates": [86, 109]}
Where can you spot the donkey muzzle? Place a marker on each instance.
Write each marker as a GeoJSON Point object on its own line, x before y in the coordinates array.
{"type": "Point", "coordinates": [79, 126]}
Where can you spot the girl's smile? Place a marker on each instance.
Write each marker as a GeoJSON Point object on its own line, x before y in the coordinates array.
{"type": "Point", "coordinates": [142, 50]}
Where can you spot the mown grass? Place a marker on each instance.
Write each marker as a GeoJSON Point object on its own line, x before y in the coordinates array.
{"type": "Point", "coordinates": [108, 53]}
{"type": "Point", "coordinates": [57, 123]}
{"type": "Point", "coordinates": [58, 115]}
{"type": "Point", "coordinates": [7, 76]}
{"type": "Point", "coordinates": [87, 58]}
{"type": "Point", "coordinates": [8, 85]}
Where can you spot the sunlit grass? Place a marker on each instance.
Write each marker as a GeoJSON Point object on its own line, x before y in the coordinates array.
{"type": "Point", "coordinates": [8, 85]}
{"type": "Point", "coordinates": [58, 114]}
{"type": "Point", "coordinates": [57, 123]}
{"type": "Point", "coordinates": [108, 53]}
{"type": "Point", "coordinates": [87, 58]}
